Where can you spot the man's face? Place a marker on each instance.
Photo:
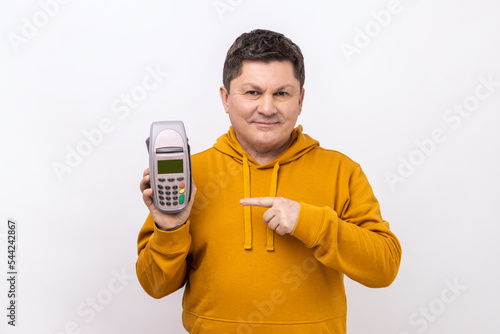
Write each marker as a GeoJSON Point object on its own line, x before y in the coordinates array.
{"type": "Point", "coordinates": [264, 104]}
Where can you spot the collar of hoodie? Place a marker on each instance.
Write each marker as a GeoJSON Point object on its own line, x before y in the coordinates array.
{"type": "Point", "coordinates": [299, 145]}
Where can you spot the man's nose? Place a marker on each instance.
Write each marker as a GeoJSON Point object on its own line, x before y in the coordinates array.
{"type": "Point", "coordinates": [267, 105]}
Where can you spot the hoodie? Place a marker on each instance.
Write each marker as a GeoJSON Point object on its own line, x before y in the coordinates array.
{"type": "Point", "coordinates": [240, 276]}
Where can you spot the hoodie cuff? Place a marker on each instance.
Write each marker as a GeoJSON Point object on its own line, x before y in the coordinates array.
{"type": "Point", "coordinates": [311, 225]}
{"type": "Point", "coordinates": [171, 241]}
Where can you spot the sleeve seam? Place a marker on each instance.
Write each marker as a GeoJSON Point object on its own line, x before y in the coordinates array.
{"type": "Point", "coordinates": [155, 246]}
{"type": "Point", "coordinates": [169, 250]}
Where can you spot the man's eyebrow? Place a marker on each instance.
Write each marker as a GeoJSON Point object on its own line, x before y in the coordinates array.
{"type": "Point", "coordinates": [255, 86]}
{"type": "Point", "coordinates": [284, 87]}
{"type": "Point", "coordinates": [252, 85]}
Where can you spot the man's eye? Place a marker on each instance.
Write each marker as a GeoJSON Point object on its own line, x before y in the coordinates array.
{"type": "Point", "coordinates": [252, 92]}
{"type": "Point", "coordinates": [281, 93]}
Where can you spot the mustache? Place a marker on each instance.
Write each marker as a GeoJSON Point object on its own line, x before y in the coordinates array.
{"type": "Point", "coordinates": [267, 119]}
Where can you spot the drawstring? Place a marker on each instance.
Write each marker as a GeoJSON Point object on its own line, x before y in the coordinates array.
{"type": "Point", "coordinates": [274, 189]}
{"type": "Point", "coordinates": [247, 209]}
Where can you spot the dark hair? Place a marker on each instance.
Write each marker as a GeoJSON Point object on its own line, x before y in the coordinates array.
{"type": "Point", "coordinates": [262, 45]}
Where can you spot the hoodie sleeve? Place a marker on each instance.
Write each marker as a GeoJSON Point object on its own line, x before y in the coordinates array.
{"type": "Point", "coordinates": [355, 241]}
{"type": "Point", "coordinates": [161, 266]}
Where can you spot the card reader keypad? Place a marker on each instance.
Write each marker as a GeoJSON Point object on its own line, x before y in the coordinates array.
{"type": "Point", "coordinates": [171, 191]}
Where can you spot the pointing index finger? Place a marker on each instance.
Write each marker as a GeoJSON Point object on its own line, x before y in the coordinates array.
{"type": "Point", "coordinates": [265, 202]}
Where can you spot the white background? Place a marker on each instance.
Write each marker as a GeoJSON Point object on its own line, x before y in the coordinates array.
{"type": "Point", "coordinates": [67, 73]}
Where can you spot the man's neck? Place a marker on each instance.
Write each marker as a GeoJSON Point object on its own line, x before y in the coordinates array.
{"type": "Point", "coordinates": [265, 156]}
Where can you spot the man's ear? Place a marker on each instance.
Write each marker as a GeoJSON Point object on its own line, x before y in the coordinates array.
{"type": "Point", "coordinates": [301, 100]}
{"type": "Point", "coordinates": [224, 96]}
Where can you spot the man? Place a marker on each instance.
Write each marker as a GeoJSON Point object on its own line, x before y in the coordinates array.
{"type": "Point", "coordinates": [276, 221]}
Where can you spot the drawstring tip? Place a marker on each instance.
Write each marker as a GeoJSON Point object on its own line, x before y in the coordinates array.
{"type": "Point", "coordinates": [270, 240]}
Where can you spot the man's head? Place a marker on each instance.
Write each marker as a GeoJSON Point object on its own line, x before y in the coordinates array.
{"type": "Point", "coordinates": [262, 45]}
{"type": "Point", "coordinates": [262, 92]}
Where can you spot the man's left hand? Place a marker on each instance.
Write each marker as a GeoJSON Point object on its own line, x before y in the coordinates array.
{"type": "Point", "coordinates": [282, 214]}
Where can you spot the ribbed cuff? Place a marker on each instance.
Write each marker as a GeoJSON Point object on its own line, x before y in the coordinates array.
{"type": "Point", "coordinates": [171, 241]}
{"type": "Point", "coordinates": [311, 224]}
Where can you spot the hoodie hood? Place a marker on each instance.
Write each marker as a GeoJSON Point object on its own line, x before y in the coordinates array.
{"type": "Point", "coordinates": [228, 144]}
{"type": "Point", "coordinates": [299, 145]}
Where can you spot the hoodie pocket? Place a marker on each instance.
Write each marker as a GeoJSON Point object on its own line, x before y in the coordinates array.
{"type": "Point", "coordinates": [335, 325]}
{"type": "Point", "coordinates": [197, 326]}
{"type": "Point", "coordinates": [324, 329]}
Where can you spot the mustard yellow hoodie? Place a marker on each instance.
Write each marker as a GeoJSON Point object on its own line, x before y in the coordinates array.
{"type": "Point", "coordinates": [241, 277]}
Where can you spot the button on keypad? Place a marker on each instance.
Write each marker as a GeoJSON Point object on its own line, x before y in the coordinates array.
{"type": "Point", "coordinates": [177, 187]}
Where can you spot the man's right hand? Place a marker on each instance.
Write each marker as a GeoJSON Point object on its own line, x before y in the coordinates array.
{"type": "Point", "coordinates": [164, 221]}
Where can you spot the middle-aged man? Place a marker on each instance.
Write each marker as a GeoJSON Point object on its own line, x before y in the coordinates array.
{"type": "Point", "coordinates": [276, 221]}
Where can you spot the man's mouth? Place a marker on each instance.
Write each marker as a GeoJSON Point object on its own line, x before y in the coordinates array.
{"type": "Point", "coordinates": [266, 123]}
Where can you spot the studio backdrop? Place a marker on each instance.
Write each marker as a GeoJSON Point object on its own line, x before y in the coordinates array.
{"type": "Point", "coordinates": [409, 89]}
